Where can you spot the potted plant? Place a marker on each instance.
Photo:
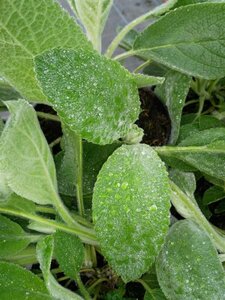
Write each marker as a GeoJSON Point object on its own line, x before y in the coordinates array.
{"type": "Point", "coordinates": [86, 204]}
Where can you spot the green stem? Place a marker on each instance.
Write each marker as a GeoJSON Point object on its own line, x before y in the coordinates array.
{"type": "Point", "coordinates": [55, 142]}
{"type": "Point", "coordinates": [171, 150]}
{"type": "Point", "coordinates": [188, 209]}
{"type": "Point", "coordinates": [126, 55]}
{"type": "Point", "coordinates": [87, 235]}
{"type": "Point", "coordinates": [146, 286]}
{"type": "Point", "coordinates": [153, 13]}
{"type": "Point", "coordinates": [142, 66]}
{"type": "Point", "coordinates": [79, 178]}
{"type": "Point", "coordinates": [97, 282]}
{"type": "Point", "coordinates": [47, 116]}
{"type": "Point", "coordinates": [45, 210]}
{"type": "Point", "coordinates": [82, 288]}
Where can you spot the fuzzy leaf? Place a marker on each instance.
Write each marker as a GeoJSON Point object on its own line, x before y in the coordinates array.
{"type": "Point", "coordinates": [69, 253]}
{"type": "Point", "coordinates": [156, 294]}
{"type": "Point", "coordinates": [188, 266]}
{"type": "Point", "coordinates": [13, 239]}
{"type": "Point", "coordinates": [92, 94]}
{"type": "Point", "coordinates": [45, 249]}
{"type": "Point", "coordinates": [145, 80]}
{"type": "Point", "coordinates": [173, 93]}
{"type": "Point", "coordinates": [93, 15]}
{"type": "Point", "coordinates": [27, 28]}
{"type": "Point", "coordinates": [25, 159]}
{"type": "Point", "coordinates": [20, 284]}
{"type": "Point", "coordinates": [187, 41]}
{"type": "Point", "coordinates": [204, 151]}
{"type": "Point", "coordinates": [131, 217]}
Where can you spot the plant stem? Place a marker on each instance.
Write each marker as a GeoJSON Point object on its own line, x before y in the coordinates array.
{"type": "Point", "coordinates": [97, 282]}
{"type": "Point", "coordinates": [55, 142]}
{"type": "Point", "coordinates": [142, 66]}
{"type": "Point", "coordinates": [126, 55]}
{"type": "Point", "coordinates": [153, 13]}
{"type": "Point", "coordinates": [82, 288]}
{"type": "Point", "coordinates": [146, 286]}
{"type": "Point", "coordinates": [188, 209]}
{"type": "Point", "coordinates": [47, 116]}
{"type": "Point", "coordinates": [170, 150]}
{"type": "Point", "coordinates": [79, 177]}
{"type": "Point", "coordinates": [87, 235]}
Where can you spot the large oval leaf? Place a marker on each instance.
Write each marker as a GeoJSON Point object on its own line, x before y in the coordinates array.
{"type": "Point", "coordinates": [131, 209]}
{"type": "Point", "coordinates": [188, 41]}
{"type": "Point", "coordinates": [93, 95]}
{"type": "Point", "coordinates": [188, 266]}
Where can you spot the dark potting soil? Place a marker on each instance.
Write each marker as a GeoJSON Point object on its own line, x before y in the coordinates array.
{"type": "Point", "coordinates": [154, 119]}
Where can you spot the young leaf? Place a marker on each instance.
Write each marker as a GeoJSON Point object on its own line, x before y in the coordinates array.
{"type": "Point", "coordinates": [213, 194]}
{"type": "Point", "coordinates": [69, 253]}
{"type": "Point", "coordinates": [131, 218]}
{"type": "Point", "coordinates": [19, 204]}
{"type": "Point", "coordinates": [13, 239]}
{"type": "Point", "coordinates": [45, 249]}
{"type": "Point", "coordinates": [145, 80]}
{"type": "Point", "coordinates": [187, 41]}
{"type": "Point", "coordinates": [81, 87]}
{"type": "Point", "coordinates": [93, 15]}
{"type": "Point", "coordinates": [173, 93]}
{"type": "Point", "coordinates": [19, 283]}
{"type": "Point", "coordinates": [26, 160]}
{"type": "Point", "coordinates": [23, 37]}
{"type": "Point", "coordinates": [188, 266]}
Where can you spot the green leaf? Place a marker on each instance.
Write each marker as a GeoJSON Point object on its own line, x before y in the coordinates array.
{"type": "Point", "coordinates": [188, 2]}
{"type": "Point", "coordinates": [13, 238]}
{"type": "Point", "coordinates": [145, 80]}
{"type": "Point", "coordinates": [173, 93]}
{"type": "Point", "coordinates": [86, 89]}
{"type": "Point", "coordinates": [188, 266]}
{"type": "Point", "coordinates": [69, 253]}
{"type": "Point", "coordinates": [19, 283]}
{"type": "Point", "coordinates": [26, 160]}
{"type": "Point", "coordinates": [7, 92]}
{"type": "Point", "coordinates": [213, 194]}
{"type": "Point", "coordinates": [187, 41]}
{"type": "Point", "coordinates": [204, 151]}
{"type": "Point", "coordinates": [156, 294]}
{"type": "Point", "coordinates": [185, 181]}
{"type": "Point", "coordinates": [93, 15]}
{"type": "Point", "coordinates": [28, 28]}
{"type": "Point", "coordinates": [45, 249]}
{"type": "Point", "coordinates": [131, 218]}
{"type": "Point", "coordinates": [19, 204]}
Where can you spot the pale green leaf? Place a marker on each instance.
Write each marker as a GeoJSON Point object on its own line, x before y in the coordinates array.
{"type": "Point", "coordinates": [69, 253]}
{"type": "Point", "coordinates": [45, 249]}
{"type": "Point", "coordinates": [203, 150]}
{"type": "Point", "coordinates": [156, 294]}
{"type": "Point", "coordinates": [188, 266]}
{"type": "Point", "coordinates": [19, 204]}
{"type": "Point", "coordinates": [145, 80]}
{"type": "Point", "coordinates": [173, 93]}
{"type": "Point", "coordinates": [94, 96]}
{"type": "Point", "coordinates": [27, 28]}
{"type": "Point", "coordinates": [131, 209]}
{"type": "Point", "coordinates": [93, 15]}
{"type": "Point", "coordinates": [20, 284]}
{"type": "Point", "coordinates": [7, 92]}
{"type": "Point", "coordinates": [26, 160]}
{"type": "Point", "coordinates": [213, 194]}
{"type": "Point", "coordinates": [13, 238]}
{"type": "Point", "coordinates": [188, 41]}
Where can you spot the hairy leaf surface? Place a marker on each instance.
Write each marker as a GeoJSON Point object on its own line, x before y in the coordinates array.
{"type": "Point", "coordinates": [187, 41]}
{"type": "Point", "coordinates": [188, 266]}
{"type": "Point", "coordinates": [45, 249]}
{"type": "Point", "coordinates": [92, 94]}
{"type": "Point", "coordinates": [173, 93]}
{"type": "Point", "coordinates": [69, 253]}
{"type": "Point", "coordinates": [131, 209]}
{"type": "Point", "coordinates": [27, 28]}
{"type": "Point", "coordinates": [19, 283]}
{"type": "Point", "coordinates": [25, 159]}
{"type": "Point", "coordinates": [93, 15]}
